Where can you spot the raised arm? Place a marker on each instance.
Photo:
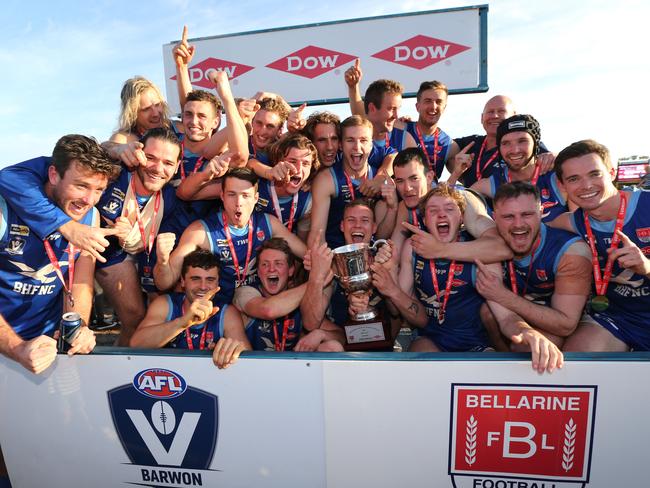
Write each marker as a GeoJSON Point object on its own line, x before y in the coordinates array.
{"type": "Point", "coordinates": [353, 77]}
{"type": "Point", "coordinates": [322, 191]}
{"type": "Point", "coordinates": [252, 303]}
{"type": "Point", "coordinates": [183, 53]}
{"type": "Point", "coordinates": [318, 291]}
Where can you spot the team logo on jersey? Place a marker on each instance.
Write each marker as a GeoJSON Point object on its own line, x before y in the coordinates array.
{"type": "Point", "coordinates": [458, 270]}
{"type": "Point", "coordinates": [420, 52]}
{"type": "Point", "coordinates": [261, 204]}
{"type": "Point", "coordinates": [311, 61]}
{"type": "Point", "coordinates": [54, 236]}
{"type": "Point", "coordinates": [21, 230]}
{"type": "Point", "coordinates": [111, 206]}
{"type": "Point", "coordinates": [521, 435]}
{"type": "Point", "coordinates": [200, 72]}
{"type": "Point", "coordinates": [168, 429]}
{"type": "Point", "coordinates": [643, 234]}
{"type": "Point", "coordinates": [16, 246]}
{"type": "Point", "coordinates": [541, 274]}
{"type": "Point", "coordinates": [545, 193]}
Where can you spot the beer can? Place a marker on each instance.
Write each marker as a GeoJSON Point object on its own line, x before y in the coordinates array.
{"type": "Point", "coordinates": [69, 327]}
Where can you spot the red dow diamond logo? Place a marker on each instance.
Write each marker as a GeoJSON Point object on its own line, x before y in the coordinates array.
{"type": "Point", "coordinates": [311, 61]}
{"type": "Point", "coordinates": [420, 52]}
{"type": "Point", "coordinates": [199, 72]}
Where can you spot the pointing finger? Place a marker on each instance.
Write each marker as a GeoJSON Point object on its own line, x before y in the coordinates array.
{"type": "Point", "coordinates": [467, 148]}
{"type": "Point", "coordinates": [357, 63]}
{"type": "Point", "coordinates": [625, 239]}
{"type": "Point", "coordinates": [413, 228]}
{"type": "Point", "coordinates": [184, 37]}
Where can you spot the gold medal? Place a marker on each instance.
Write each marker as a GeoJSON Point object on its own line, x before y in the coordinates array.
{"type": "Point", "coordinates": [599, 303]}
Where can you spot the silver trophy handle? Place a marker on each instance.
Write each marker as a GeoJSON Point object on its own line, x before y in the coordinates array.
{"type": "Point", "coordinates": [376, 243]}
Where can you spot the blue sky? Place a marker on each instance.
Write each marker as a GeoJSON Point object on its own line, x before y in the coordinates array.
{"type": "Point", "coordinates": [580, 67]}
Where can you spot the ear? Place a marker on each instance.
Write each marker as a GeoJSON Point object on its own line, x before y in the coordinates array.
{"type": "Point", "coordinates": [430, 175]}
{"type": "Point", "coordinates": [371, 107]}
{"type": "Point", "coordinates": [182, 282]}
{"type": "Point", "coordinates": [53, 176]}
{"type": "Point", "coordinates": [292, 270]}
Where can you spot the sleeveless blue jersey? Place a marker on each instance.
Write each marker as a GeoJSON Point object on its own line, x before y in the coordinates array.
{"type": "Point", "coordinates": [260, 155]}
{"type": "Point", "coordinates": [215, 324]}
{"type": "Point", "coordinates": [437, 161]}
{"type": "Point", "coordinates": [261, 334]}
{"type": "Point", "coordinates": [540, 282]}
{"type": "Point", "coordinates": [30, 290]}
{"type": "Point", "coordinates": [214, 229]}
{"type": "Point", "coordinates": [628, 314]}
{"type": "Point", "coordinates": [462, 329]}
{"type": "Point", "coordinates": [342, 195]}
{"type": "Point", "coordinates": [553, 203]}
{"type": "Point", "coordinates": [265, 204]}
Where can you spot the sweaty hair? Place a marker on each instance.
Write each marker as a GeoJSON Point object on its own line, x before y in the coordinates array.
{"type": "Point", "coordinates": [443, 190]}
{"type": "Point", "coordinates": [87, 152]}
{"type": "Point", "coordinates": [355, 121]}
{"type": "Point", "coordinates": [204, 96]}
{"type": "Point", "coordinates": [514, 190]}
{"type": "Point", "coordinates": [376, 90]}
{"type": "Point", "coordinates": [278, 244]}
{"type": "Point", "coordinates": [360, 202]}
{"type": "Point", "coordinates": [581, 148]}
{"type": "Point", "coordinates": [431, 85]}
{"type": "Point", "coordinates": [163, 134]}
{"type": "Point", "coordinates": [321, 118]}
{"type": "Point", "coordinates": [405, 156]}
{"type": "Point", "coordinates": [245, 174]}
{"type": "Point", "coordinates": [280, 148]}
{"type": "Point", "coordinates": [200, 258]}
{"type": "Point", "coordinates": [130, 103]}
{"type": "Point", "coordinates": [277, 106]}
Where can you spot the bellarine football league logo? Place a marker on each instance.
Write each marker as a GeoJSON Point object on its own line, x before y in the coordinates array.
{"type": "Point", "coordinates": [525, 436]}
{"type": "Point", "coordinates": [167, 429]}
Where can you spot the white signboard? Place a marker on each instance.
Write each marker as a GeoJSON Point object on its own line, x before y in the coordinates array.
{"type": "Point", "coordinates": [306, 63]}
{"type": "Point", "coordinates": [300, 420]}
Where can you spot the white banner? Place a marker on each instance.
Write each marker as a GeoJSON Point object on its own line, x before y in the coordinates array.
{"type": "Point", "coordinates": [306, 63]}
{"type": "Point", "coordinates": [395, 420]}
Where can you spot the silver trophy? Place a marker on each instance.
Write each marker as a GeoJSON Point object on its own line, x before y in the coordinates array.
{"type": "Point", "coordinates": [352, 268]}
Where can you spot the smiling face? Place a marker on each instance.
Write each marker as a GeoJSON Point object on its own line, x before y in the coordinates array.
{"type": "Point", "coordinates": [77, 191]}
{"type": "Point", "coordinates": [301, 160]}
{"type": "Point", "coordinates": [274, 271]}
{"type": "Point", "coordinates": [518, 221]}
{"type": "Point", "coordinates": [383, 118]}
{"type": "Point", "coordinates": [327, 143]}
{"type": "Point", "coordinates": [267, 127]}
{"type": "Point", "coordinates": [198, 281]}
{"type": "Point", "coordinates": [150, 111]}
{"type": "Point", "coordinates": [516, 148]}
{"type": "Point", "coordinates": [588, 181]}
{"type": "Point", "coordinates": [497, 109]}
{"type": "Point", "coordinates": [357, 144]}
{"type": "Point", "coordinates": [358, 224]}
{"type": "Point", "coordinates": [199, 120]}
{"type": "Point", "coordinates": [431, 106]}
{"type": "Point", "coordinates": [162, 161]}
{"type": "Point", "coordinates": [239, 199]}
{"type": "Point", "coordinates": [442, 217]}
{"type": "Point", "coordinates": [412, 182]}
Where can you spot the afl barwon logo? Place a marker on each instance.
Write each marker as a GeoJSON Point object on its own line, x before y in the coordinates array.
{"type": "Point", "coordinates": [521, 436]}
{"type": "Point", "coordinates": [167, 429]}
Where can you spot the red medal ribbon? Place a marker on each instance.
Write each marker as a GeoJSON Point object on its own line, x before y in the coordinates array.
{"type": "Point", "coordinates": [279, 346]}
{"type": "Point", "coordinates": [602, 281]}
{"type": "Point", "coordinates": [479, 170]}
{"type": "Point", "coordinates": [511, 270]}
{"type": "Point", "coordinates": [432, 166]}
{"type": "Point", "coordinates": [147, 243]}
{"type": "Point", "coordinates": [414, 216]}
{"type": "Point", "coordinates": [241, 276]}
{"type": "Point", "coordinates": [349, 181]}
{"type": "Point", "coordinates": [450, 282]}
{"type": "Point", "coordinates": [278, 210]}
{"type": "Point", "coordinates": [386, 140]}
{"type": "Point", "coordinates": [57, 268]}
{"type": "Point", "coordinates": [197, 165]}
{"type": "Point", "coordinates": [188, 335]}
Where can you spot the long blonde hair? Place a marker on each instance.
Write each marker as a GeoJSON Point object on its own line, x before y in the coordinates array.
{"type": "Point", "coordinates": [130, 101]}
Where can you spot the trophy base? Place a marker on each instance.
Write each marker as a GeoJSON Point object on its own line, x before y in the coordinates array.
{"type": "Point", "coordinates": [368, 335]}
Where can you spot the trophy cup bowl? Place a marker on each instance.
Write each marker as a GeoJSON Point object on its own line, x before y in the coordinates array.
{"type": "Point", "coordinates": [352, 268]}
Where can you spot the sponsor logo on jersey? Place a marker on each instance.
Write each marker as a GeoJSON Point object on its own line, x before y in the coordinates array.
{"type": "Point", "coordinates": [527, 435]}
{"type": "Point", "coordinates": [643, 234]}
{"type": "Point", "coordinates": [54, 236]}
{"type": "Point", "coordinates": [167, 428]}
{"type": "Point", "coordinates": [420, 52]}
{"type": "Point", "coordinates": [112, 205]}
{"type": "Point", "coordinates": [200, 72]}
{"type": "Point", "coordinates": [311, 61]}
{"type": "Point", "coordinates": [21, 230]}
